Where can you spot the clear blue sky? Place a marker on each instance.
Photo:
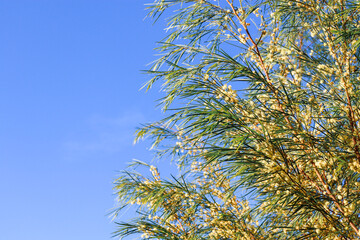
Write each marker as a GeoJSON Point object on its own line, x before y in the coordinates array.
{"type": "Point", "coordinates": [69, 104]}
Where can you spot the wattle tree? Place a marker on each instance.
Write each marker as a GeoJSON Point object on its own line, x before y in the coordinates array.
{"type": "Point", "coordinates": [262, 119]}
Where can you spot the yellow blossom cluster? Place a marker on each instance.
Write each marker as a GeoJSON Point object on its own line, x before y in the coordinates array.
{"type": "Point", "coordinates": [227, 93]}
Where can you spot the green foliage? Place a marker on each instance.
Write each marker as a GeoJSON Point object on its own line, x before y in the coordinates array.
{"type": "Point", "coordinates": [264, 124]}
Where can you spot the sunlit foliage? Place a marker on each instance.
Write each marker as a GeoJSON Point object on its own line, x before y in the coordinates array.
{"type": "Point", "coordinates": [262, 104]}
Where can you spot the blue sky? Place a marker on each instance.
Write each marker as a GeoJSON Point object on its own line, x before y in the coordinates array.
{"type": "Point", "coordinates": [69, 104]}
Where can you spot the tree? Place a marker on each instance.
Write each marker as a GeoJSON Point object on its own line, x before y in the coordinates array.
{"type": "Point", "coordinates": [262, 103]}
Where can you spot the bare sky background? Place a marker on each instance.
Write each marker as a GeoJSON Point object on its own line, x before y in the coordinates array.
{"type": "Point", "coordinates": [69, 104]}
